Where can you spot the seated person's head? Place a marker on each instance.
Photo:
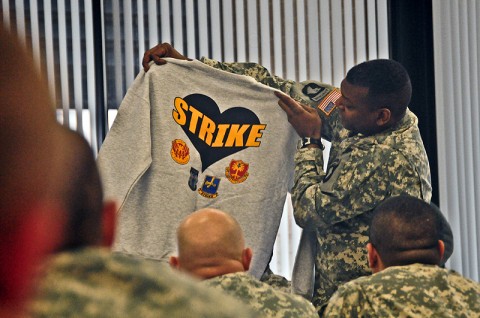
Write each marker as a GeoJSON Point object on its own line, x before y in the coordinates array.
{"type": "Point", "coordinates": [89, 221]}
{"type": "Point", "coordinates": [405, 230]}
{"type": "Point", "coordinates": [31, 218]}
{"type": "Point", "coordinates": [211, 243]}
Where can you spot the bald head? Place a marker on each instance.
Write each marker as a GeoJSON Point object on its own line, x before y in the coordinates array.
{"type": "Point", "coordinates": [211, 243]}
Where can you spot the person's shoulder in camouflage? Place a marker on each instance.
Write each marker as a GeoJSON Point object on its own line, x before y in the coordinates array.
{"type": "Point", "coordinates": [93, 282]}
{"type": "Point", "coordinates": [404, 252]}
{"type": "Point", "coordinates": [277, 281]}
{"type": "Point", "coordinates": [413, 291]}
{"type": "Point", "coordinates": [266, 299]}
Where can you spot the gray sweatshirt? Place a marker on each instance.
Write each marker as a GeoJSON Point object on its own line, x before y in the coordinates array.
{"type": "Point", "coordinates": [189, 136]}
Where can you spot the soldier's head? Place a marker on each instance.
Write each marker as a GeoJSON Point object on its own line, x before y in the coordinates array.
{"type": "Point", "coordinates": [89, 220]}
{"type": "Point", "coordinates": [210, 244]}
{"type": "Point", "coordinates": [31, 218]}
{"type": "Point", "coordinates": [375, 96]}
{"type": "Point", "coordinates": [405, 230]}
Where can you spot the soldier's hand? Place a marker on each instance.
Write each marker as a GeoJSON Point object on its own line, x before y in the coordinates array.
{"type": "Point", "coordinates": [304, 119]}
{"type": "Point", "coordinates": [156, 53]}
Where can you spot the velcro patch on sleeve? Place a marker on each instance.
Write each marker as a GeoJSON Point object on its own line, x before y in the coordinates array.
{"type": "Point", "coordinates": [327, 105]}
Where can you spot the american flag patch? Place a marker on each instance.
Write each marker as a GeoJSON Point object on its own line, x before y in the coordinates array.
{"type": "Point", "coordinates": [328, 103]}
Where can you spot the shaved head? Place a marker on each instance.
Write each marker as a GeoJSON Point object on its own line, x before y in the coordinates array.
{"type": "Point", "coordinates": [209, 239]}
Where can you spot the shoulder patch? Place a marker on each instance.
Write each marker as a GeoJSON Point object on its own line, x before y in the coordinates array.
{"type": "Point", "coordinates": [327, 105]}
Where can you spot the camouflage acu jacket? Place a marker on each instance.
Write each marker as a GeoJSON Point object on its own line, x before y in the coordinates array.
{"type": "Point", "coordinates": [407, 291]}
{"type": "Point", "coordinates": [267, 300]}
{"type": "Point", "coordinates": [96, 283]}
{"type": "Point", "coordinates": [362, 171]}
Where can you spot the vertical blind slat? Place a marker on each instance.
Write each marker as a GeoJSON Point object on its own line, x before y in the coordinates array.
{"type": "Point", "coordinates": [253, 32]}
{"type": "Point", "coordinates": [177, 26]}
{"type": "Point", "coordinates": [35, 32]}
{"type": "Point", "coordinates": [301, 40]}
{"type": "Point", "coordinates": [190, 16]}
{"type": "Point", "coordinates": [276, 26]}
{"type": "Point", "coordinates": [141, 31]}
{"type": "Point", "coordinates": [349, 32]}
{"type": "Point", "coordinates": [382, 29]}
{"type": "Point", "coordinates": [152, 24]}
{"type": "Point", "coordinates": [62, 39]}
{"type": "Point", "coordinates": [128, 31]}
{"type": "Point", "coordinates": [325, 42]}
{"type": "Point", "coordinates": [117, 50]}
{"type": "Point", "coordinates": [239, 34]}
{"type": "Point", "coordinates": [288, 53]}
{"type": "Point", "coordinates": [443, 54]}
{"type": "Point", "coordinates": [203, 36]}
{"type": "Point", "coordinates": [360, 32]}
{"type": "Point", "coordinates": [216, 29]}
{"type": "Point", "coordinates": [6, 13]}
{"type": "Point", "coordinates": [337, 30]}
{"type": "Point", "coordinates": [90, 69]}
{"type": "Point", "coordinates": [460, 172]}
{"type": "Point", "coordinates": [20, 18]}
{"type": "Point", "coordinates": [77, 64]}
{"type": "Point", "coordinates": [49, 50]}
{"type": "Point", "coordinates": [372, 30]}
{"type": "Point", "coordinates": [313, 40]}
{"type": "Point", "coordinates": [227, 31]}
{"type": "Point", "coordinates": [164, 22]}
{"type": "Point", "coordinates": [265, 39]}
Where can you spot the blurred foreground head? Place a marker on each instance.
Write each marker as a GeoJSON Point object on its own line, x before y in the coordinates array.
{"type": "Point", "coordinates": [31, 163]}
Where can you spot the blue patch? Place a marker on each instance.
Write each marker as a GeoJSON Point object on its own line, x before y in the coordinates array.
{"type": "Point", "coordinates": [192, 181]}
{"type": "Point", "coordinates": [210, 187]}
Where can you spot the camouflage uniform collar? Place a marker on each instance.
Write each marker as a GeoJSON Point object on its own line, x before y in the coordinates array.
{"type": "Point", "coordinates": [407, 122]}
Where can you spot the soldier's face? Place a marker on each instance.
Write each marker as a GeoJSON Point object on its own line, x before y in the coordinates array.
{"type": "Point", "coordinates": [354, 110]}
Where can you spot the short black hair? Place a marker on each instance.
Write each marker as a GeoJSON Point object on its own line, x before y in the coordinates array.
{"type": "Point", "coordinates": [83, 195]}
{"type": "Point", "coordinates": [388, 84]}
{"type": "Point", "coordinates": [405, 230]}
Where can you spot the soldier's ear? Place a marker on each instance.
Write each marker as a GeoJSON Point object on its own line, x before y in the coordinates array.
{"type": "Point", "coordinates": [383, 117]}
{"type": "Point", "coordinates": [109, 218]}
{"type": "Point", "coordinates": [247, 258]}
{"type": "Point", "coordinates": [174, 262]}
{"type": "Point", "coordinates": [441, 248]}
{"type": "Point", "coordinates": [374, 261]}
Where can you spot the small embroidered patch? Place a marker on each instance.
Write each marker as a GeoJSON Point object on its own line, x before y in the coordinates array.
{"type": "Point", "coordinates": [192, 181]}
{"type": "Point", "coordinates": [210, 187]}
{"type": "Point", "coordinates": [328, 103]}
{"type": "Point", "coordinates": [237, 171]}
{"type": "Point", "coordinates": [180, 152]}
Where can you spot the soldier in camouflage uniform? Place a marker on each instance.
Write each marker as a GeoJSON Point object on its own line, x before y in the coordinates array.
{"type": "Point", "coordinates": [94, 282]}
{"type": "Point", "coordinates": [376, 152]}
{"type": "Point", "coordinates": [211, 246]}
{"type": "Point", "coordinates": [85, 280]}
{"type": "Point", "coordinates": [403, 252]}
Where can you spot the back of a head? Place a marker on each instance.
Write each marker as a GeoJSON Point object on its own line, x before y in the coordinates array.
{"type": "Point", "coordinates": [82, 193]}
{"type": "Point", "coordinates": [209, 238]}
{"type": "Point", "coordinates": [405, 230]}
{"type": "Point", "coordinates": [29, 155]}
{"type": "Point", "coordinates": [388, 82]}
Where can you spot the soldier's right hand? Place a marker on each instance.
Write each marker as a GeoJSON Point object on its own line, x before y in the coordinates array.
{"type": "Point", "coordinates": [157, 53]}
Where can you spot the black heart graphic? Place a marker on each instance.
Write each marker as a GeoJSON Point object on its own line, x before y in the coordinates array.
{"type": "Point", "coordinates": [209, 108]}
